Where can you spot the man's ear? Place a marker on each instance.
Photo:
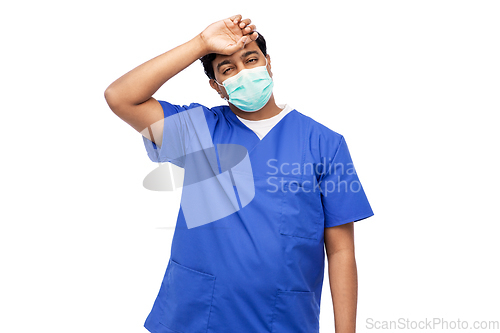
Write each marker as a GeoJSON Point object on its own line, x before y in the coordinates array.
{"type": "Point", "coordinates": [213, 84]}
{"type": "Point", "coordinates": [269, 65]}
{"type": "Point", "coordinates": [220, 90]}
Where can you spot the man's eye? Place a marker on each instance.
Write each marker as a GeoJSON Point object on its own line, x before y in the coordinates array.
{"type": "Point", "coordinates": [225, 71]}
{"type": "Point", "coordinates": [253, 59]}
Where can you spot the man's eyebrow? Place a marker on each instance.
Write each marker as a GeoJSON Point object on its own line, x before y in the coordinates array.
{"type": "Point", "coordinates": [246, 54]}
{"type": "Point", "coordinates": [222, 63]}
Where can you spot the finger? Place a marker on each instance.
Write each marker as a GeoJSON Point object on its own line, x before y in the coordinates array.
{"type": "Point", "coordinates": [235, 18]}
{"type": "Point", "coordinates": [254, 35]}
{"type": "Point", "coordinates": [244, 23]}
{"type": "Point", "coordinates": [249, 29]}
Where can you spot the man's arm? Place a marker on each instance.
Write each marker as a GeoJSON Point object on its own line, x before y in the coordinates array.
{"type": "Point", "coordinates": [130, 96]}
{"type": "Point", "coordinates": [342, 271]}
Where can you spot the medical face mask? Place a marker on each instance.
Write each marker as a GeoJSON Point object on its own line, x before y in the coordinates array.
{"type": "Point", "coordinates": [250, 89]}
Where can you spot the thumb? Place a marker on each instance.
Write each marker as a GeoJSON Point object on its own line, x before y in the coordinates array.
{"type": "Point", "coordinates": [239, 45]}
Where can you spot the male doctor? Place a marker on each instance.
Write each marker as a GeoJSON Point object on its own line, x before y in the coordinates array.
{"type": "Point", "coordinates": [259, 268]}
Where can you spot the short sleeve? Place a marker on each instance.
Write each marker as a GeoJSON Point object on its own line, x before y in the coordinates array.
{"type": "Point", "coordinates": [342, 194]}
{"type": "Point", "coordinates": [180, 125]}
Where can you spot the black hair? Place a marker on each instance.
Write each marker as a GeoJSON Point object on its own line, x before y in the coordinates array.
{"type": "Point", "coordinates": [207, 59]}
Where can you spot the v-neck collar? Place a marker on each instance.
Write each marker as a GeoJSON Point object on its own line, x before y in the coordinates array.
{"type": "Point", "coordinates": [230, 114]}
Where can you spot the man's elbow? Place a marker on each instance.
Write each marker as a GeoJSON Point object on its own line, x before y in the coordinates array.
{"type": "Point", "coordinates": [111, 98]}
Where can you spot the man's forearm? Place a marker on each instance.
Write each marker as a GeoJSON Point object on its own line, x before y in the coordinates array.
{"type": "Point", "coordinates": [139, 84]}
{"type": "Point", "coordinates": [343, 278]}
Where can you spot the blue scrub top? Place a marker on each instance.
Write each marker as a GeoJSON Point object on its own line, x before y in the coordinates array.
{"type": "Point", "coordinates": [260, 268]}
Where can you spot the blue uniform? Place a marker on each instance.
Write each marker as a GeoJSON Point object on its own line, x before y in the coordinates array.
{"type": "Point", "coordinates": [260, 268]}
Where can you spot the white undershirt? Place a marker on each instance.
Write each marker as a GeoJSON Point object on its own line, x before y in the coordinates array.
{"type": "Point", "coordinates": [262, 127]}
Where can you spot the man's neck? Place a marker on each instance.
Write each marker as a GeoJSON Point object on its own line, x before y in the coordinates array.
{"type": "Point", "coordinates": [268, 111]}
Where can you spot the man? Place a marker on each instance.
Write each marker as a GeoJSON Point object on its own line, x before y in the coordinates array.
{"type": "Point", "coordinates": [258, 267]}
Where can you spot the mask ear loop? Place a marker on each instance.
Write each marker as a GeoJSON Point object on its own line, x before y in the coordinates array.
{"type": "Point", "coordinates": [225, 98]}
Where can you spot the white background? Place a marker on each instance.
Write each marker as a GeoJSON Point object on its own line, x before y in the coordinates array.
{"type": "Point", "coordinates": [412, 85]}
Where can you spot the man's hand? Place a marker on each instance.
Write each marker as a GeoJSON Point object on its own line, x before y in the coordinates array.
{"type": "Point", "coordinates": [229, 35]}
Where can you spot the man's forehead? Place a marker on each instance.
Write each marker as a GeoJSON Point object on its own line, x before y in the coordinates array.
{"type": "Point", "coordinates": [251, 46]}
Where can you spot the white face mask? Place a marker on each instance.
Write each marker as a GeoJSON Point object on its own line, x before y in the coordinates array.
{"type": "Point", "coordinates": [250, 89]}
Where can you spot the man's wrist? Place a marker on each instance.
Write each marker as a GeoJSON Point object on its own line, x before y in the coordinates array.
{"type": "Point", "coordinates": [201, 45]}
